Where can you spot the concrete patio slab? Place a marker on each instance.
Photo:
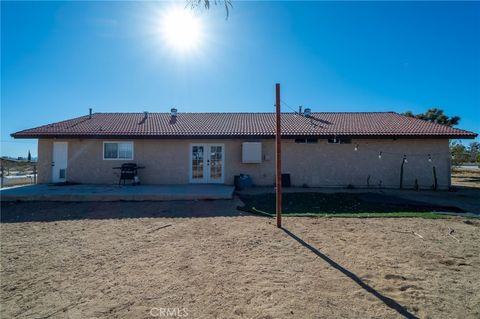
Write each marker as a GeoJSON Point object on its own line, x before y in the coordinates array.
{"type": "Point", "coordinates": [94, 193]}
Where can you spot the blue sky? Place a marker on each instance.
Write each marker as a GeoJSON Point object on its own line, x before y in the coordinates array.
{"type": "Point", "coordinates": [60, 58]}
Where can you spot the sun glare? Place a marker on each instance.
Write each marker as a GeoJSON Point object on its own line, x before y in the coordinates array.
{"type": "Point", "coordinates": [181, 29]}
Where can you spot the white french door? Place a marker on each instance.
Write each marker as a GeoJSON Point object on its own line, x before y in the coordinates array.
{"type": "Point", "coordinates": [207, 163]}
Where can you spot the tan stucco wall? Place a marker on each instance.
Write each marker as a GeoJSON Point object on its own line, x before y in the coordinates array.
{"type": "Point", "coordinates": [322, 164]}
{"type": "Point", "coordinates": [339, 164]}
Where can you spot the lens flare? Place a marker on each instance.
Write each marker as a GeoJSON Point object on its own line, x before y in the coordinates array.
{"type": "Point", "coordinates": [181, 30]}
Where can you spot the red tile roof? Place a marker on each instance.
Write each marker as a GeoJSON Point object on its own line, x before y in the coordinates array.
{"type": "Point", "coordinates": [366, 124]}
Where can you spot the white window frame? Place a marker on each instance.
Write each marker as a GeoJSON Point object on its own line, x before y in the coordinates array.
{"type": "Point", "coordinates": [118, 159]}
{"type": "Point", "coordinates": [307, 140]}
{"type": "Point", "coordinates": [339, 140]}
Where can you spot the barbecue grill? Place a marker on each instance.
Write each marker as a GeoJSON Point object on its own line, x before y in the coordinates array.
{"type": "Point", "coordinates": [129, 171]}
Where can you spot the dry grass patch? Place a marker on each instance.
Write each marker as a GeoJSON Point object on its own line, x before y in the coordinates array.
{"type": "Point", "coordinates": [466, 178]}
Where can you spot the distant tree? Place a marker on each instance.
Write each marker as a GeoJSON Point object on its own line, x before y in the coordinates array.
{"type": "Point", "coordinates": [435, 115]}
{"type": "Point", "coordinates": [459, 153]}
{"type": "Point", "coordinates": [207, 3]}
{"type": "Point", "coordinates": [474, 152]}
{"type": "Point", "coordinates": [29, 156]}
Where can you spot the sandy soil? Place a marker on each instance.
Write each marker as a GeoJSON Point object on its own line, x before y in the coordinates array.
{"type": "Point", "coordinates": [240, 266]}
{"type": "Point", "coordinates": [466, 178]}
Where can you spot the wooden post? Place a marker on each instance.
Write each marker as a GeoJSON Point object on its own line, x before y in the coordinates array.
{"type": "Point", "coordinates": [35, 174]}
{"type": "Point", "coordinates": [2, 171]}
{"type": "Point", "coordinates": [278, 157]}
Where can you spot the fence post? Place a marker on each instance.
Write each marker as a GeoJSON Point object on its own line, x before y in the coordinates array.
{"type": "Point", "coordinates": [2, 169]}
{"type": "Point", "coordinates": [34, 174]}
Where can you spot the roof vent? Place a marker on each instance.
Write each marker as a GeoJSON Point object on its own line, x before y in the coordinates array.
{"type": "Point", "coordinates": [307, 112]}
{"type": "Point", "coordinates": [173, 111]}
{"type": "Point", "coordinates": [145, 114]}
{"type": "Point", "coordinates": [90, 113]}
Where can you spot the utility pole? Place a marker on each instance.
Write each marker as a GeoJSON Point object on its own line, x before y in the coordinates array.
{"type": "Point", "coordinates": [278, 158]}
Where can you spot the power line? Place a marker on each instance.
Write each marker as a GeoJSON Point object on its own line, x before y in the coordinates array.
{"type": "Point", "coordinates": [291, 108]}
{"type": "Point", "coordinates": [381, 152]}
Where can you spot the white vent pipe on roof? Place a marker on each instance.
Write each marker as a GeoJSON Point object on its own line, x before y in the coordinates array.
{"type": "Point", "coordinates": [307, 112]}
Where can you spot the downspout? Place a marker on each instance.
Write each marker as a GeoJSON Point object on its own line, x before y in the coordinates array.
{"type": "Point", "coordinates": [435, 181]}
{"type": "Point", "coordinates": [401, 171]}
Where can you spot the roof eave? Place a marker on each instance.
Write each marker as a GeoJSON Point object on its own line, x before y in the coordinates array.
{"type": "Point", "coordinates": [229, 136]}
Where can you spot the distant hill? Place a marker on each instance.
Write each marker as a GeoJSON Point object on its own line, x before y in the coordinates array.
{"type": "Point", "coordinates": [17, 159]}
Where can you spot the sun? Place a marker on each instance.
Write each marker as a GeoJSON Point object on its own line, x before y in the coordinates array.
{"type": "Point", "coordinates": [181, 29]}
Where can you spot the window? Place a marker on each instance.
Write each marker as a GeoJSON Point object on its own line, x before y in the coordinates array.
{"type": "Point", "coordinates": [306, 140]}
{"type": "Point", "coordinates": [118, 150]}
{"type": "Point", "coordinates": [338, 140]}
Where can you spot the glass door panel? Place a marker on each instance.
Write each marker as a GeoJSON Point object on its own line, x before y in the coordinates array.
{"type": "Point", "coordinates": [198, 162]}
{"type": "Point", "coordinates": [216, 162]}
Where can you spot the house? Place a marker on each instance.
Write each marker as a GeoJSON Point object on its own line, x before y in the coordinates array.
{"type": "Point", "coordinates": [364, 149]}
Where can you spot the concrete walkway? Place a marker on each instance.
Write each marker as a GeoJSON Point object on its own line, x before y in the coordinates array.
{"type": "Point", "coordinates": [93, 193]}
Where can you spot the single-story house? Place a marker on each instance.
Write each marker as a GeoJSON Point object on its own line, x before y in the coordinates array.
{"type": "Point", "coordinates": [361, 149]}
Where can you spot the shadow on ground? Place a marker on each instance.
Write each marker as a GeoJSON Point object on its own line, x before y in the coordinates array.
{"type": "Point", "coordinates": [18, 212]}
{"type": "Point", "coordinates": [386, 300]}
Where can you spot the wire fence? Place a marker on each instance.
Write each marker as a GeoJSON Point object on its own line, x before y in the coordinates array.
{"type": "Point", "coordinates": [14, 173]}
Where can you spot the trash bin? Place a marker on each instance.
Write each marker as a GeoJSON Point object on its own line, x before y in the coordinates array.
{"type": "Point", "coordinates": [242, 181]}
{"type": "Point", "coordinates": [286, 180]}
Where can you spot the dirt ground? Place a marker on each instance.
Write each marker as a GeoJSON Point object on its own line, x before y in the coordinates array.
{"type": "Point", "coordinates": [239, 266]}
{"type": "Point", "coordinates": [466, 178]}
